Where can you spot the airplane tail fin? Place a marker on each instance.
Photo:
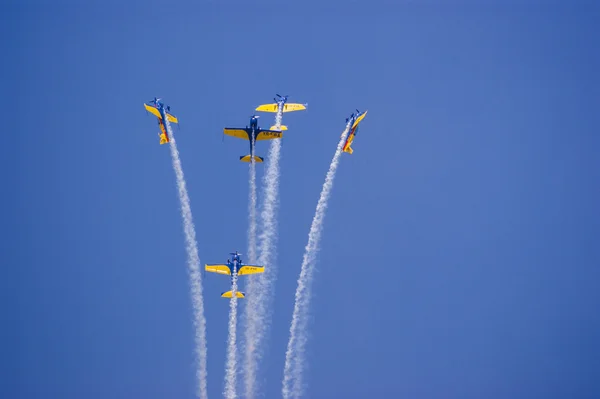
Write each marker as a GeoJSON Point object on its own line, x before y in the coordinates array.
{"type": "Point", "coordinates": [164, 139]}
{"type": "Point", "coordinates": [349, 150]}
{"type": "Point", "coordinates": [229, 294]}
{"type": "Point", "coordinates": [282, 128]}
{"type": "Point", "coordinates": [248, 158]}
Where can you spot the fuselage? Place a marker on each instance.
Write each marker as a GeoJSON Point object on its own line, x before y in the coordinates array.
{"type": "Point", "coordinates": [235, 265]}
{"type": "Point", "coordinates": [253, 131]}
{"type": "Point", "coordinates": [163, 114]}
{"type": "Point", "coordinates": [351, 133]}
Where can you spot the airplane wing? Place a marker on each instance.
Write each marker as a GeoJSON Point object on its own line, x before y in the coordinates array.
{"type": "Point", "coordinates": [289, 107]}
{"type": "Point", "coordinates": [269, 135]}
{"type": "Point", "coordinates": [250, 269]}
{"type": "Point", "coordinates": [172, 118]}
{"type": "Point", "coordinates": [267, 108]}
{"type": "Point", "coordinates": [153, 110]}
{"type": "Point", "coordinates": [239, 133]}
{"type": "Point", "coordinates": [218, 268]}
{"type": "Point", "coordinates": [347, 145]}
{"type": "Point", "coordinates": [360, 118]}
{"type": "Point", "coordinates": [229, 294]}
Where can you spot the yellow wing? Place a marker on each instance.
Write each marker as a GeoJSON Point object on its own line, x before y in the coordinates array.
{"type": "Point", "coordinates": [293, 107]}
{"type": "Point", "coordinates": [172, 118]}
{"type": "Point", "coordinates": [156, 113]}
{"type": "Point", "coordinates": [269, 135]}
{"type": "Point", "coordinates": [239, 133]}
{"type": "Point", "coordinates": [250, 269]}
{"type": "Point", "coordinates": [220, 269]}
{"type": "Point", "coordinates": [267, 108]}
{"type": "Point", "coordinates": [153, 111]}
{"type": "Point", "coordinates": [360, 118]}
{"type": "Point", "coordinates": [229, 294]}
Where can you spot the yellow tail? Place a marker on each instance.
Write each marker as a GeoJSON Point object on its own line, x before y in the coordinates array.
{"type": "Point", "coordinates": [246, 158]}
{"type": "Point", "coordinates": [163, 138]}
{"type": "Point", "coordinates": [349, 150]}
{"type": "Point", "coordinates": [229, 294]}
{"type": "Point", "coordinates": [282, 128]}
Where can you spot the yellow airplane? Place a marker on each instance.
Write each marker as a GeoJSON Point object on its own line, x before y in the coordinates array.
{"type": "Point", "coordinates": [353, 130]}
{"type": "Point", "coordinates": [282, 105]}
{"type": "Point", "coordinates": [235, 268]}
{"type": "Point", "coordinates": [158, 109]}
{"type": "Point", "coordinates": [252, 134]}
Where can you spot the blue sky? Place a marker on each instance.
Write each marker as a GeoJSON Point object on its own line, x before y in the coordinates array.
{"type": "Point", "coordinates": [459, 257]}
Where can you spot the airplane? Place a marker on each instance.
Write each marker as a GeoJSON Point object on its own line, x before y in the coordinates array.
{"type": "Point", "coordinates": [233, 268]}
{"type": "Point", "coordinates": [253, 134]}
{"type": "Point", "coordinates": [355, 119]}
{"type": "Point", "coordinates": [281, 105]}
{"type": "Point", "coordinates": [158, 109]}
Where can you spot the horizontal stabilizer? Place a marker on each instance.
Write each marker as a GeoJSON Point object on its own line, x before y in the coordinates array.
{"type": "Point", "coordinates": [164, 139]}
{"type": "Point", "coordinates": [247, 158]}
{"type": "Point", "coordinates": [229, 294]}
{"type": "Point", "coordinates": [282, 127]}
{"type": "Point", "coordinates": [348, 143]}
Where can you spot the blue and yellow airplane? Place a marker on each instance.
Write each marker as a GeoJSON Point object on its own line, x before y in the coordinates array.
{"type": "Point", "coordinates": [158, 109]}
{"type": "Point", "coordinates": [252, 134]}
{"type": "Point", "coordinates": [282, 105]}
{"type": "Point", "coordinates": [355, 119]}
{"type": "Point", "coordinates": [237, 267]}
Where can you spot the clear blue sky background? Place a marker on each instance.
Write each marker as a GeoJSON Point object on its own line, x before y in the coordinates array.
{"type": "Point", "coordinates": [460, 255]}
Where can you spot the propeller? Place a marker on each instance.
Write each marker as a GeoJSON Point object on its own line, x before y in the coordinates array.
{"type": "Point", "coordinates": [281, 98]}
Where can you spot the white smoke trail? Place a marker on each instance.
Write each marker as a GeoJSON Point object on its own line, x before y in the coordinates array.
{"type": "Point", "coordinates": [260, 289]}
{"type": "Point", "coordinates": [193, 263]}
{"type": "Point", "coordinates": [294, 356]}
{"type": "Point", "coordinates": [231, 366]}
{"type": "Point", "coordinates": [252, 213]}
